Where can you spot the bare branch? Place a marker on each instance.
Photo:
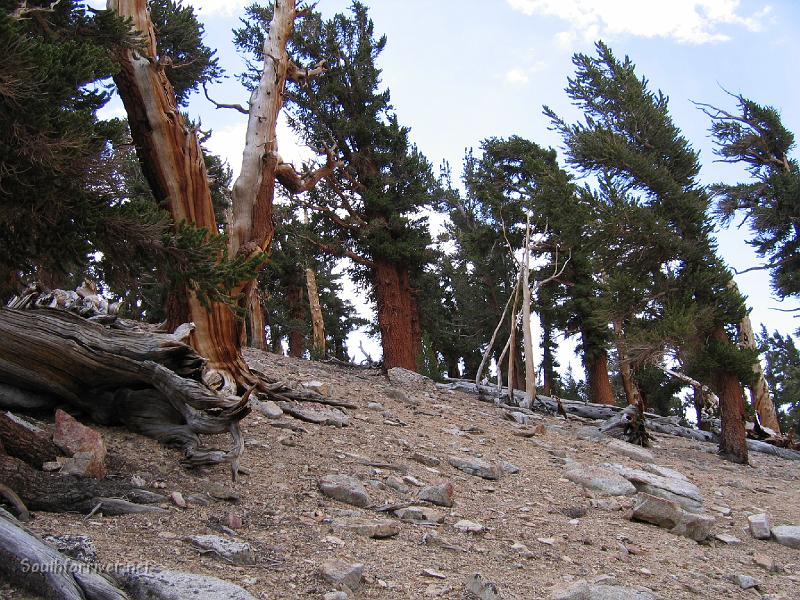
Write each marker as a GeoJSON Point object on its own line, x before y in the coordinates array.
{"type": "Point", "coordinates": [216, 104]}
{"type": "Point", "coordinates": [297, 183]}
{"type": "Point", "coordinates": [23, 10]}
{"type": "Point", "coordinates": [339, 251]}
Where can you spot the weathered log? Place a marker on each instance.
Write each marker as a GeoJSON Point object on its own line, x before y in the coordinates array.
{"type": "Point", "coordinates": [30, 563]}
{"type": "Point", "coordinates": [149, 382]}
{"type": "Point", "coordinates": [26, 441]}
{"type": "Point", "coordinates": [14, 398]}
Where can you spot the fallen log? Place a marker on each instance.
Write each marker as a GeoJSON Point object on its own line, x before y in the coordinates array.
{"type": "Point", "coordinates": [149, 382]}
{"type": "Point", "coordinates": [33, 565]}
{"type": "Point", "coordinates": [657, 423]}
{"type": "Point", "coordinates": [26, 441]}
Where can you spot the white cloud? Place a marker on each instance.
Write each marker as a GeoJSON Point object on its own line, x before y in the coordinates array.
{"type": "Point", "coordinates": [516, 76]}
{"type": "Point", "coordinates": [689, 21]}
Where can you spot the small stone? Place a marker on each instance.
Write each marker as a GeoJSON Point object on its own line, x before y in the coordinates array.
{"type": "Point", "coordinates": [519, 417]}
{"type": "Point", "coordinates": [379, 529]}
{"type": "Point", "coordinates": [434, 574]}
{"type": "Point", "coordinates": [590, 433]}
{"type": "Point", "coordinates": [477, 467]}
{"type": "Point", "coordinates": [339, 572]}
{"type": "Point", "coordinates": [466, 526]}
{"type": "Point", "coordinates": [410, 479]}
{"type": "Point", "coordinates": [288, 440]}
{"type": "Point", "coordinates": [745, 581]}
{"type": "Point", "coordinates": [765, 562]}
{"type": "Point", "coordinates": [419, 514]}
{"type": "Point", "coordinates": [336, 596]}
{"type": "Point", "coordinates": [397, 484]}
{"type": "Point", "coordinates": [138, 482]}
{"type": "Point", "coordinates": [509, 468]}
{"type": "Point", "coordinates": [238, 553]}
{"type": "Point", "coordinates": [345, 489]}
{"type": "Point", "coordinates": [177, 499]}
{"type": "Point", "coordinates": [78, 547]}
{"type": "Point", "coordinates": [546, 541]}
{"type": "Point", "coordinates": [441, 494]}
{"type": "Point", "coordinates": [219, 492]}
{"type": "Point", "coordinates": [584, 591]}
{"type": "Point", "coordinates": [483, 589]}
{"type": "Point", "coordinates": [83, 444]}
{"type": "Point", "coordinates": [759, 526]}
{"type": "Point", "coordinates": [198, 499]}
{"type": "Point", "coordinates": [233, 521]}
{"type": "Point", "coordinates": [323, 389]}
{"type": "Point", "coordinates": [375, 406]}
{"type": "Point", "coordinates": [728, 539]}
{"type": "Point", "coordinates": [522, 550]}
{"type": "Point", "coordinates": [332, 540]}
{"type": "Point", "coordinates": [600, 480]}
{"type": "Point", "coordinates": [425, 459]}
{"type": "Point", "coordinates": [269, 409]}
{"type": "Point", "coordinates": [670, 515]}
{"type": "Point", "coordinates": [631, 451]}
{"type": "Point", "coordinates": [787, 535]}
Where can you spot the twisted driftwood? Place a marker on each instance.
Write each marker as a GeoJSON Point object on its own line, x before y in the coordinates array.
{"type": "Point", "coordinates": [148, 382]}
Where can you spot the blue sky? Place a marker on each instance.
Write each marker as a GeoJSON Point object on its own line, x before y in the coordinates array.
{"type": "Point", "coordinates": [463, 70]}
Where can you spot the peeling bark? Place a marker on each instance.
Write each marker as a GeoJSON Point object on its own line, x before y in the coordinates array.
{"type": "Point", "coordinates": [759, 391]}
{"type": "Point", "coordinates": [317, 323]}
{"type": "Point", "coordinates": [600, 390]}
{"type": "Point", "coordinates": [733, 437]}
{"type": "Point", "coordinates": [395, 315]}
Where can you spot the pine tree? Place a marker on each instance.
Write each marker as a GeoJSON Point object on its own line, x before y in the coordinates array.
{"type": "Point", "coordinates": [629, 137]}
{"type": "Point", "coordinates": [373, 202]}
{"type": "Point", "coordinates": [755, 137]}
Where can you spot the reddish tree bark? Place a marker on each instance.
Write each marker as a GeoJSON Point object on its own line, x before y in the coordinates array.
{"type": "Point", "coordinates": [396, 317]}
{"type": "Point", "coordinates": [600, 391]}
{"type": "Point", "coordinates": [733, 438]}
{"type": "Point", "coordinates": [297, 314]}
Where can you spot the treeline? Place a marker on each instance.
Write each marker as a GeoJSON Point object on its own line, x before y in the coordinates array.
{"type": "Point", "coordinates": [621, 217]}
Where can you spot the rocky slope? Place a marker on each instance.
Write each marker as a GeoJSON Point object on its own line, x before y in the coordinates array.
{"type": "Point", "coordinates": [419, 488]}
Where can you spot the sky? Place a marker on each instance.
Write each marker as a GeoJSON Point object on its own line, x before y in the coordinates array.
{"type": "Point", "coordinates": [461, 71]}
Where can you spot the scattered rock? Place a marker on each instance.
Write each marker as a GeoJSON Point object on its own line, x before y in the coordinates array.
{"type": "Point", "coordinates": [590, 433]}
{"type": "Point", "coordinates": [482, 589]}
{"type": "Point", "coordinates": [477, 467]}
{"type": "Point", "coordinates": [236, 553]}
{"type": "Point", "coordinates": [518, 417]}
{"type": "Point", "coordinates": [318, 387]}
{"type": "Point", "coordinates": [631, 451]}
{"type": "Point", "coordinates": [375, 406]}
{"type": "Point", "coordinates": [670, 515]}
{"type": "Point", "coordinates": [345, 489]}
{"type": "Point", "coordinates": [138, 482]}
{"type": "Point", "coordinates": [765, 562]}
{"type": "Point", "coordinates": [342, 573]}
{"type": "Point", "coordinates": [787, 535]}
{"type": "Point", "coordinates": [465, 526]}
{"type": "Point", "coordinates": [441, 494]}
{"type": "Point", "coordinates": [269, 409]}
{"type": "Point", "coordinates": [728, 539]}
{"type": "Point", "coordinates": [745, 581]}
{"type": "Point", "coordinates": [397, 484]}
{"type": "Point", "coordinates": [380, 529]}
{"type": "Point", "coordinates": [681, 491]}
{"type": "Point", "coordinates": [434, 574]}
{"type": "Point", "coordinates": [425, 459]}
{"type": "Point", "coordinates": [599, 479]}
{"type": "Point", "coordinates": [79, 547]}
{"type": "Point", "coordinates": [83, 444]}
{"type": "Point", "coordinates": [664, 471]}
{"type": "Point", "coordinates": [175, 585]}
{"type": "Point", "coordinates": [509, 468]}
{"type": "Point", "coordinates": [399, 395]}
{"type": "Point", "coordinates": [522, 550]}
{"type": "Point", "coordinates": [233, 521]}
{"type": "Point", "coordinates": [585, 591]}
{"type": "Point", "coordinates": [404, 377]}
{"type": "Point", "coordinates": [322, 416]}
{"type": "Point", "coordinates": [759, 526]}
{"type": "Point", "coordinates": [410, 479]}
{"type": "Point", "coordinates": [336, 596]}
{"type": "Point", "coordinates": [177, 499]}
{"type": "Point", "coordinates": [419, 514]}
{"type": "Point", "coordinates": [220, 492]}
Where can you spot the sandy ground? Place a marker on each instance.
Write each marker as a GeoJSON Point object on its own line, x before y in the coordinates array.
{"type": "Point", "coordinates": [292, 526]}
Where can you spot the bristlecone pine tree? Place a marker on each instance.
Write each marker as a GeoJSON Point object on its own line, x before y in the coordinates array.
{"type": "Point", "coordinates": [629, 136]}
{"type": "Point", "coordinates": [373, 202]}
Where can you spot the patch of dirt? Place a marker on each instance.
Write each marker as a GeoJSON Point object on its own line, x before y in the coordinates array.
{"type": "Point", "coordinates": [292, 526]}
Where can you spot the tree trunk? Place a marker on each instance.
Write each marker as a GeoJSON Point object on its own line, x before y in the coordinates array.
{"type": "Point", "coordinates": [20, 439]}
{"type": "Point", "coordinates": [255, 312]}
{"type": "Point", "coordinates": [733, 438]}
{"type": "Point", "coordinates": [297, 315]}
{"type": "Point", "coordinates": [600, 390]}
{"type": "Point", "coordinates": [759, 391]}
{"type": "Point", "coordinates": [548, 360]}
{"type": "Point", "coordinates": [172, 162]}
{"type": "Point", "coordinates": [317, 323]}
{"type": "Point", "coordinates": [395, 315]}
{"type": "Point", "coordinates": [632, 394]}
{"type": "Point", "coordinates": [527, 334]}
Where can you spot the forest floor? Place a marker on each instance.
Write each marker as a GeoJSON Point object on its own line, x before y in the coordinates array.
{"type": "Point", "coordinates": [563, 533]}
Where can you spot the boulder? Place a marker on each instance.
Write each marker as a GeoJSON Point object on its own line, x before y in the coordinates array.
{"type": "Point", "coordinates": [440, 494]}
{"type": "Point", "coordinates": [787, 535]}
{"type": "Point", "coordinates": [345, 488]}
{"type": "Point", "coordinates": [83, 444]}
{"type": "Point", "coordinates": [586, 591]}
{"type": "Point", "coordinates": [759, 526]}
{"type": "Point", "coordinates": [670, 515]}
{"type": "Point", "coordinates": [631, 451]}
{"type": "Point", "coordinates": [151, 584]}
{"type": "Point", "coordinates": [600, 480]}
{"type": "Point", "coordinates": [477, 467]}
{"type": "Point", "coordinates": [231, 551]}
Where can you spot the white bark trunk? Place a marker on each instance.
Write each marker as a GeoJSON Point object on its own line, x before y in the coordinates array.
{"type": "Point", "coordinates": [527, 335]}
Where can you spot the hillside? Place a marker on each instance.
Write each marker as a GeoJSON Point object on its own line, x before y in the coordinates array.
{"type": "Point", "coordinates": [540, 533]}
